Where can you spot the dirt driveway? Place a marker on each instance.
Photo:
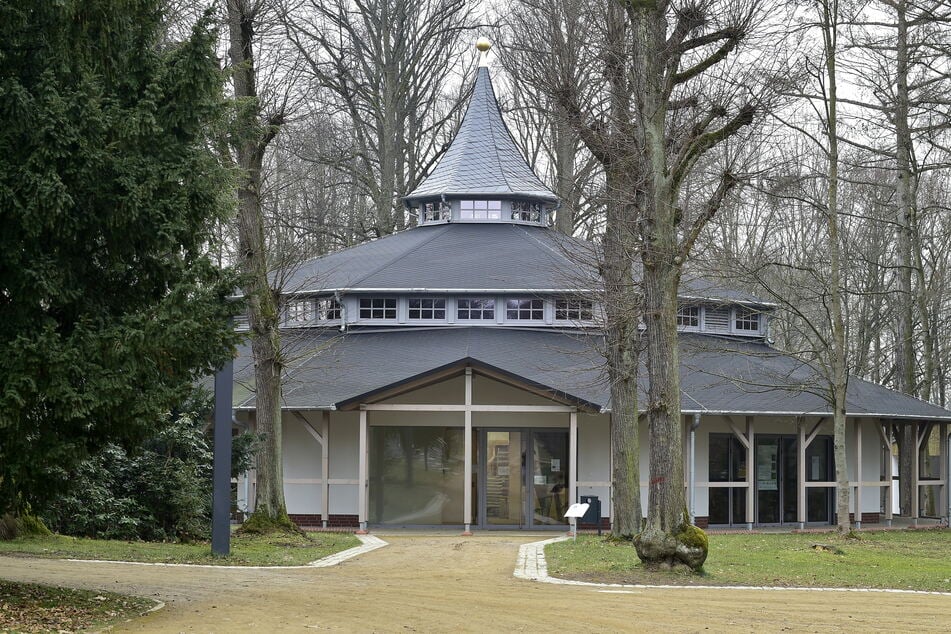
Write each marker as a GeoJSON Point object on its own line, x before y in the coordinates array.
{"type": "Point", "coordinates": [447, 583]}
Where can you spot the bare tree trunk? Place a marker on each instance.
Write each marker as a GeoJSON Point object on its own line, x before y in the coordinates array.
{"type": "Point", "coordinates": [838, 366]}
{"type": "Point", "coordinates": [250, 144]}
{"type": "Point", "coordinates": [622, 357]}
{"type": "Point", "coordinates": [565, 147]}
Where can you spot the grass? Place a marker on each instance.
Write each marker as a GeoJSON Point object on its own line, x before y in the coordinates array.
{"type": "Point", "coordinates": [246, 550]}
{"type": "Point", "coordinates": [28, 607]}
{"type": "Point", "coordinates": [913, 560]}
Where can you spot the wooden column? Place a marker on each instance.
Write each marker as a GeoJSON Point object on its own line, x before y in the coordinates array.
{"type": "Point", "coordinates": [886, 432]}
{"type": "Point", "coordinates": [915, 470]}
{"type": "Point", "coordinates": [945, 503]}
{"type": "Point", "coordinates": [325, 468]}
{"type": "Point", "coordinates": [858, 473]}
{"type": "Point", "coordinates": [801, 475]}
{"type": "Point", "coordinates": [573, 458]}
{"type": "Point", "coordinates": [467, 489]}
{"type": "Point", "coordinates": [750, 473]}
{"type": "Point", "coordinates": [362, 482]}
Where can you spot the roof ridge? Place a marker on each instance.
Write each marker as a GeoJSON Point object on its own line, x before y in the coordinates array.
{"type": "Point", "coordinates": [436, 233]}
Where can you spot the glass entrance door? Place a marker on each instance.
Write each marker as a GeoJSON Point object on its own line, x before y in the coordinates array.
{"type": "Point", "coordinates": [503, 499]}
{"type": "Point", "coordinates": [776, 498]}
{"type": "Point", "coordinates": [523, 477]}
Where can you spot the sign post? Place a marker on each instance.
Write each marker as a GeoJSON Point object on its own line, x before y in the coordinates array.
{"type": "Point", "coordinates": [574, 512]}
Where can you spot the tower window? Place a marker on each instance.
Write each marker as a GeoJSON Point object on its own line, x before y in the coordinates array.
{"type": "Point", "coordinates": [525, 309]}
{"type": "Point", "coordinates": [377, 308]}
{"type": "Point", "coordinates": [327, 309]}
{"type": "Point", "coordinates": [475, 308]}
{"type": "Point", "coordinates": [688, 316]}
{"type": "Point", "coordinates": [300, 311]}
{"type": "Point", "coordinates": [427, 308]}
{"type": "Point", "coordinates": [746, 320]}
{"type": "Point", "coordinates": [435, 212]}
{"type": "Point", "coordinates": [480, 209]}
{"type": "Point", "coordinates": [526, 211]}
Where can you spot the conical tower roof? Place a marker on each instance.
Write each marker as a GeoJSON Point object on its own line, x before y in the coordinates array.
{"type": "Point", "coordinates": [483, 160]}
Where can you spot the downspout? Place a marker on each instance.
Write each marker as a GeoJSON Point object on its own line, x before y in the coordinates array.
{"type": "Point", "coordinates": [947, 478]}
{"type": "Point", "coordinates": [693, 467]}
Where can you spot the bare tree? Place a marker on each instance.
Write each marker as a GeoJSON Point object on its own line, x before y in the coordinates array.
{"type": "Point", "coordinates": [383, 68]}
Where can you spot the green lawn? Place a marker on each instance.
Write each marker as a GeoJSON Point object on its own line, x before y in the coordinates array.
{"type": "Point", "coordinates": [914, 560]}
{"type": "Point", "coordinates": [29, 607]}
{"type": "Point", "coordinates": [246, 550]}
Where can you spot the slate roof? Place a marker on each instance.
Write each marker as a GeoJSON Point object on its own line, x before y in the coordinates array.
{"type": "Point", "coordinates": [483, 159]}
{"type": "Point", "coordinates": [331, 370]}
{"type": "Point", "coordinates": [473, 256]}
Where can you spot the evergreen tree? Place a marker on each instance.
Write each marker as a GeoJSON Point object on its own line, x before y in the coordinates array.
{"type": "Point", "coordinates": [110, 307]}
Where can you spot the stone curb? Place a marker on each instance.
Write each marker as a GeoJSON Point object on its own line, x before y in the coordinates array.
{"type": "Point", "coordinates": [532, 566]}
{"type": "Point", "coordinates": [369, 543]}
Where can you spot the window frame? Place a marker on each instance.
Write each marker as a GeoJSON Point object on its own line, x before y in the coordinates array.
{"type": "Point", "coordinates": [480, 210]}
{"type": "Point", "coordinates": [433, 300]}
{"type": "Point", "coordinates": [682, 314]}
{"type": "Point", "coordinates": [384, 307]}
{"type": "Point", "coordinates": [531, 310]}
{"type": "Point", "coordinates": [569, 308]}
{"type": "Point", "coordinates": [482, 309]}
{"type": "Point", "coordinates": [742, 313]}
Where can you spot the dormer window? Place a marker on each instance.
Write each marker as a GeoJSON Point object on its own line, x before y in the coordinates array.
{"type": "Point", "coordinates": [747, 320]}
{"type": "Point", "coordinates": [435, 212]}
{"type": "Point", "coordinates": [327, 309]}
{"type": "Point", "coordinates": [574, 310]}
{"type": "Point", "coordinates": [525, 309]}
{"type": "Point", "coordinates": [377, 308]}
{"type": "Point", "coordinates": [526, 211]}
{"type": "Point", "coordinates": [688, 317]}
{"type": "Point", "coordinates": [480, 209]}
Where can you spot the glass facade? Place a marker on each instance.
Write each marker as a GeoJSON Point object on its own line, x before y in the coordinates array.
{"type": "Point", "coordinates": [417, 475]}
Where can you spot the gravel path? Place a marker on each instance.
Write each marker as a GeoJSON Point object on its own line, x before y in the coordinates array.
{"type": "Point", "coordinates": [447, 583]}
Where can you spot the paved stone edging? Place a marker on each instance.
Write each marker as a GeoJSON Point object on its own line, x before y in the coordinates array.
{"type": "Point", "coordinates": [532, 566]}
{"type": "Point", "coordinates": [369, 543]}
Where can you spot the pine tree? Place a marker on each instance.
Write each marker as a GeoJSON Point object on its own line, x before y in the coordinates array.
{"type": "Point", "coordinates": [110, 307]}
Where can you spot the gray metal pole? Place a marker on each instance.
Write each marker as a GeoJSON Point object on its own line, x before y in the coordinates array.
{"type": "Point", "coordinates": [693, 467]}
{"type": "Point", "coordinates": [221, 495]}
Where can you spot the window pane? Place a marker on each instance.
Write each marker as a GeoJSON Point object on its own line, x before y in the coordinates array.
{"type": "Point", "coordinates": [416, 475]}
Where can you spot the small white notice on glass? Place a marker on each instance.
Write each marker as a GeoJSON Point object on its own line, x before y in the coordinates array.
{"type": "Point", "coordinates": [555, 465]}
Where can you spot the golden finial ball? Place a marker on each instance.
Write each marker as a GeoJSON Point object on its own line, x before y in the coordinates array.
{"type": "Point", "coordinates": [483, 44]}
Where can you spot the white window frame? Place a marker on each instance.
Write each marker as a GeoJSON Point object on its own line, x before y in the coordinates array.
{"type": "Point", "coordinates": [479, 320]}
{"type": "Point", "coordinates": [572, 320]}
{"type": "Point", "coordinates": [530, 310]}
{"type": "Point", "coordinates": [474, 210]}
{"type": "Point", "coordinates": [686, 327]}
{"type": "Point", "coordinates": [431, 309]}
{"type": "Point", "coordinates": [325, 307]}
{"type": "Point", "coordinates": [382, 307]}
{"type": "Point", "coordinates": [434, 212]}
{"type": "Point", "coordinates": [743, 313]}
{"type": "Point", "coordinates": [298, 311]}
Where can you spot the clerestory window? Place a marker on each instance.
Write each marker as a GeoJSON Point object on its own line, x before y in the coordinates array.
{"type": "Point", "coordinates": [480, 209]}
{"type": "Point", "coordinates": [688, 316]}
{"type": "Point", "coordinates": [328, 309]}
{"type": "Point", "coordinates": [377, 308]}
{"type": "Point", "coordinates": [747, 320]}
{"type": "Point", "coordinates": [526, 211]}
{"type": "Point", "coordinates": [435, 212]}
{"type": "Point", "coordinates": [475, 308]}
{"type": "Point", "coordinates": [525, 309]}
{"type": "Point", "coordinates": [427, 308]}
{"type": "Point", "coordinates": [574, 310]}
{"type": "Point", "coordinates": [300, 311]}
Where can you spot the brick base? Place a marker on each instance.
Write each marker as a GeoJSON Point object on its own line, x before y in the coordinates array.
{"type": "Point", "coordinates": [591, 526]}
{"type": "Point", "coordinates": [309, 520]}
{"type": "Point", "coordinates": [867, 518]}
{"type": "Point", "coordinates": [701, 522]}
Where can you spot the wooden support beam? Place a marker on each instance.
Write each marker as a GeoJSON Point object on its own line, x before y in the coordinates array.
{"type": "Point", "coordinates": [310, 428]}
{"type": "Point", "coordinates": [325, 468]}
{"type": "Point", "coordinates": [739, 435]}
{"type": "Point", "coordinates": [433, 407]}
{"type": "Point", "coordinates": [858, 473]}
{"type": "Point", "coordinates": [362, 500]}
{"type": "Point", "coordinates": [815, 432]}
{"type": "Point", "coordinates": [889, 474]}
{"type": "Point", "coordinates": [467, 488]}
{"type": "Point", "coordinates": [572, 458]}
{"type": "Point", "coordinates": [801, 475]}
{"type": "Point", "coordinates": [750, 472]}
{"type": "Point", "coordinates": [915, 473]}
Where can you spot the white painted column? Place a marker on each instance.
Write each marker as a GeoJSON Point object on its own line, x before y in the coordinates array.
{"type": "Point", "coordinates": [467, 490]}
{"type": "Point", "coordinates": [915, 469]}
{"type": "Point", "coordinates": [889, 473]}
{"type": "Point", "coordinates": [943, 469]}
{"type": "Point", "coordinates": [858, 473]}
{"type": "Point", "coordinates": [801, 475]}
{"type": "Point", "coordinates": [573, 458]}
{"type": "Point", "coordinates": [750, 473]}
{"type": "Point", "coordinates": [325, 469]}
{"type": "Point", "coordinates": [363, 476]}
